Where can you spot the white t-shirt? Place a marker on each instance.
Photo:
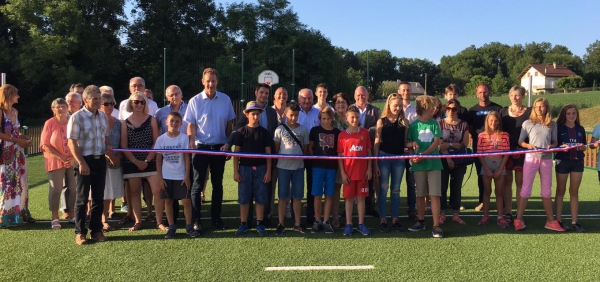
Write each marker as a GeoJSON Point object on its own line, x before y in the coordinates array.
{"type": "Point", "coordinates": [123, 114]}
{"type": "Point", "coordinates": [173, 165]}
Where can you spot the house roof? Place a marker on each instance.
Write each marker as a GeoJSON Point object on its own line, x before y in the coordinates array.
{"type": "Point", "coordinates": [549, 70]}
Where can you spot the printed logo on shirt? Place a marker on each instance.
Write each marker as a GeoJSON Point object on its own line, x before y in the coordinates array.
{"type": "Point", "coordinates": [355, 148]}
{"type": "Point", "coordinates": [425, 135]}
{"type": "Point", "coordinates": [482, 113]}
{"type": "Point", "coordinates": [326, 140]}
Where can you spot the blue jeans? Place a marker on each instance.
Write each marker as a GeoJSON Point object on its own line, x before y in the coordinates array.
{"type": "Point", "coordinates": [411, 192]}
{"type": "Point", "coordinates": [252, 185]}
{"type": "Point", "coordinates": [295, 178]}
{"type": "Point", "coordinates": [395, 168]}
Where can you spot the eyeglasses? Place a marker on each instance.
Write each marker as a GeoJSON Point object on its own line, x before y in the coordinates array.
{"type": "Point", "coordinates": [108, 104]}
{"type": "Point", "coordinates": [137, 102]}
{"type": "Point", "coordinates": [136, 85]}
{"type": "Point", "coordinates": [453, 109]}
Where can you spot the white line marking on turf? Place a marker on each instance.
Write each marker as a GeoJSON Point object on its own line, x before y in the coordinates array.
{"type": "Point", "coordinates": [320, 267]}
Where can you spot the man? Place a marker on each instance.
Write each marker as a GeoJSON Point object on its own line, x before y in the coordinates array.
{"type": "Point", "coordinates": [108, 90]}
{"type": "Point", "coordinates": [78, 87]}
{"type": "Point", "coordinates": [410, 113]}
{"type": "Point", "coordinates": [451, 92]}
{"type": "Point", "coordinates": [74, 102]}
{"type": "Point", "coordinates": [309, 118]}
{"type": "Point", "coordinates": [279, 104]}
{"type": "Point", "coordinates": [369, 115]}
{"type": "Point", "coordinates": [136, 84]}
{"type": "Point", "coordinates": [87, 131]}
{"type": "Point", "coordinates": [321, 93]}
{"type": "Point", "coordinates": [476, 120]}
{"type": "Point", "coordinates": [209, 116]}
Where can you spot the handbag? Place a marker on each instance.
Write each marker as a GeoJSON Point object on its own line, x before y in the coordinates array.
{"type": "Point", "coordinates": [463, 161]}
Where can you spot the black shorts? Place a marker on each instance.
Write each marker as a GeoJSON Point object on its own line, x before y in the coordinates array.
{"type": "Point", "coordinates": [567, 166]}
{"type": "Point", "coordinates": [175, 190]}
{"type": "Point", "coordinates": [515, 162]}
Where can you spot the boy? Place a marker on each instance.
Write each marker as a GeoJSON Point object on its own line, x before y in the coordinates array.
{"type": "Point", "coordinates": [173, 170]}
{"type": "Point", "coordinates": [356, 173]}
{"type": "Point", "coordinates": [425, 135]}
{"type": "Point", "coordinates": [252, 174]}
{"type": "Point", "coordinates": [291, 138]}
{"type": "Point", "coordinates": [323, 142]}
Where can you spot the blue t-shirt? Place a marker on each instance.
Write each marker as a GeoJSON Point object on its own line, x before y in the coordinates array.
{"type": "Point", "coordinates": [570, 137]}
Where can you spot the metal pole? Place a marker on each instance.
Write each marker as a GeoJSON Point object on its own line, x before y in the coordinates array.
{"type": "Point", "coordinates": [242, 76]}
{"type": "Point", "coordinates": [293, 73]}
{"type": "Point", "coordinates": [3, 79]}
{"type": "Point", "coordinates": [165, 77]}
{"type": "Point", "coordinates": [530, 91]}
{"type": "Point", "coordinates": [425, 83]}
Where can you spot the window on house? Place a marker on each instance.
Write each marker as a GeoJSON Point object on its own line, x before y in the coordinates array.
{"type": "Point", "coordinates": [536, 73]}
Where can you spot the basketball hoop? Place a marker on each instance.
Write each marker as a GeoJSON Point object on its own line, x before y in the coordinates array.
{"type": "Point", "coordinates": [268, 77]}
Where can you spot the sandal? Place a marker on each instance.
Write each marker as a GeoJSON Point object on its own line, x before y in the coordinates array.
{"type": "Point", "coordinates": [135, 227]}
{"type": "Point", "coordinates": [127, 219]}
{"type": "Point", "coordinates": [151, 219]}
{"type": "Point", "coordinates": [26, 215]}
{"type": "Point", "coordinates": [55, 224]}
{"type": "Point", "coordinates": [107, 227]}
{"type": "Point", "coordinates": [162, 227]}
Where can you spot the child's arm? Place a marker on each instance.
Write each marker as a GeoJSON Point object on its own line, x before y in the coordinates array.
{"type": "Point", "coordinates": [345, 179]}
{"type": "Point", "coordinates": [161, 182]}
{"type": "Point", "coordinates": [236, 166]}
{"type": "Point", "coordinates": [432, 147]}
{"type": "Point", "coordinates": [186, 180]}
{"type": "Point", "coordinates": [368, 173]}
{"type": "Point", "coordinates": [276, 145]}
{"type": "Point", "coordinates": [267, 177]}
{"type": "Point", "coordinates": [310, 148]}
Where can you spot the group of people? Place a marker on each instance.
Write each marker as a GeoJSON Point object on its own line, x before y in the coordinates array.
{"type": "Point", "coordinates": [86, 174]}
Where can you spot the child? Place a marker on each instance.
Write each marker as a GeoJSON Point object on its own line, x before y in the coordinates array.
{"type": "Point", "coordinates": [390, 139]}
{"type": "Point", "coordinates": [323, 142]}
{"type": "Point", "coordinates": [425, 135]}
{"type": "Point", "coordinates": [173, 172]}
{"type": "Point", "coordinates": [252, 174]}
{"type": "Point", "coordinates": [541, 132]}
{"type": "Point", "coordinates": [569, 163]}
{"type": "Point", "coordinates": [291, 139]}
{"type": "Point", "coordinates": [355, 142]}
{"type": "Point", "coordinates": [493, 139]}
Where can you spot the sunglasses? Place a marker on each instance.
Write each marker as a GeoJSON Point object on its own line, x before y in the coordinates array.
{"type": "Point", "coordinates": [137, 102]}
{"type": "Point", "coordinates": [453, 109]}
{"type": "Point", "coordinates": [108, 104]}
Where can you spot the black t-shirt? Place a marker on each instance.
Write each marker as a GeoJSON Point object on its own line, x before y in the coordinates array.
{"type": "Point", "coordinates": [253, 140]}
{"type": "Point", "coordinates": [512, 125]}
{"type": "Point", "coordinates": [393, 137]}
{"type": "Point", "coordinates": [324, 143]}
{"type": "Point", "coordinates": [476, 118]}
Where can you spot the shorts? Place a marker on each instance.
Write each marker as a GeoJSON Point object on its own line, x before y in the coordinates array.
{"type": "Point", "coordinates": [175, 190]}
{"type": "Point", "coordinates": [428, 182]}
{"type": "Point", "coordinates": [252, 185]}
{"type": "Point", "coordinates": [493, 165]}
{"type": "Point", "coordinates": [323, 181]}
{"type": "Point", "coordinates": [295, 178]}
{"type": "Point", "coordinates": [566, 166]}
{"type": "Point", "coordinates": [356, 188]}
{"type": "Point", "coordinates": [515, 162]}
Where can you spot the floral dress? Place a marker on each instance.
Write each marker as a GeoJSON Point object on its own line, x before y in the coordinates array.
{"type": "Point", "coordinates": [13, 178]}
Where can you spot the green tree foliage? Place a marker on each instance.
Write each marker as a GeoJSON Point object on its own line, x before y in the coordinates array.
{"type": "Point", "coordinates": [591, 61]}
{"type": "Point", "coordinates": [570, 82]}
{"type": "Point", "coordinates": [415, 69]}
{"type": "Point", "coordinates": [386, 88]}
{"type": "Point", "coordinates": [500, 84]}
{"type": "Point", "coordinates": [471, 87]}
{"type": "Point", "coordinates": [382, 66]}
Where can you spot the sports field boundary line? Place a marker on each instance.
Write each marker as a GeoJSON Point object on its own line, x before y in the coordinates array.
{"type": "Point", "coordinates": [319, 267]}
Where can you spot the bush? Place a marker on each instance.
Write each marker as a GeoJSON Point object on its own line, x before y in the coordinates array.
{"type": "Point", "coordinates": [570, 82]}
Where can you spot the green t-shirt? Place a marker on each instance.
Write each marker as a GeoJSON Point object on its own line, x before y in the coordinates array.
{"type": "Point", "coordinates": [423, 133]}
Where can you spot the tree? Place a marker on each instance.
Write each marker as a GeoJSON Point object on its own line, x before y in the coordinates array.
{"type": "Point", "coordinates": [381, 66]}
{"type": "Point", "coordinates": [591, 61]}
{"type": "Point", "coordinates": [500, 84]}
{"type": "Point", "coordinates": [471, 87]}
{"type": "Point", "coordinates": [386, 88]}
{"type": "Point", "coordinates": [570, 82]}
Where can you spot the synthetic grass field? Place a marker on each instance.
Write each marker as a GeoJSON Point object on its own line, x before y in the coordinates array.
{"type": "Point", "coordinates": [35, 252]}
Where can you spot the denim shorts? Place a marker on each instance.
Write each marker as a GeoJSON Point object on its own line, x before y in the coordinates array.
{"type": "Point", "coordinates": [567, 166]}
{"type": "Point", "coordinates": [493, 165]}
{"type": "Point", "coordinates": [252, 185]}
{"type": "Point", "coordinates": [295, 178]}
{"type": "Point", "coordinates": [323, 181]}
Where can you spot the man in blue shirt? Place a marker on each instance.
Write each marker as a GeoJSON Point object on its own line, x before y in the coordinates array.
{"type": "Point", "coordinates": [209, 116]}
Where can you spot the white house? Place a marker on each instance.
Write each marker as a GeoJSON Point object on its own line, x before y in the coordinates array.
{"type": "Point", "coordinates": [544, 77]}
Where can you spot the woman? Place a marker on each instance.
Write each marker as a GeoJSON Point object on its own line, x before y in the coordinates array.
{"type": "Point", "coordinates": [569, 164]}
{"type": "Point", "coordinates": [539, 131]}
{"type": "Point", "coordinates": [390, 139]}
{"type": "Point", "coordinates": [58, 161]}
{"type": "Point", "coordinates": [454, 135]}
{"type": "Point", "coordinates": [114, 172]}
{"type": "Point", "coordinates": [13, 168]}
{"type": "Point", "coordinates": [513, 118]}
{"type": "Point", "coordinates": [341, 103]}
{"type": "Point", "coordinates": [139, 131]}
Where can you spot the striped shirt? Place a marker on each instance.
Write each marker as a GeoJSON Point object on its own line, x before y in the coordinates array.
{"type": "Point", "coordinates": [90, 131]}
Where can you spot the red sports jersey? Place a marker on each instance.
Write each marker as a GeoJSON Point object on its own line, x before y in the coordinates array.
{"type": "Point", "coordinates": [355, 145]}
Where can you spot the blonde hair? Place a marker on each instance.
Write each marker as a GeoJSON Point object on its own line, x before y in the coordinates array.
{"type": "Point", "coordinates": [135, 94]}
{"type": "Point", "coordinates": [210, 71]}
{"type": "Point", "coordinates": [7, 92]}
{"type": "Point", "coordinates": [326, 110]}
{"type": "Point", "coordinates": [488, 130]}
{"type": "Point", "coordinates": [386, 109]}
{"type": "Point", "coordinates": [547, 118]}
{"type": "Point", "coordinates": [423, 103]}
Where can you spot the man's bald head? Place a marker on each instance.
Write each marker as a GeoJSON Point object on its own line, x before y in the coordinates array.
{"type": "Point", "coordinates": [361, 96]}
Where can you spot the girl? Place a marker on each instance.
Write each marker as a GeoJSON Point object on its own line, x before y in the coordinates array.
{"type": "Point", "coordinates": [390, 139]}
{"type": "Point", "coordinates": [541, 131]}
{"type": "Point", "coordinates": [493, 139]}
{"type": "Point", "coordinates": [569, 163]}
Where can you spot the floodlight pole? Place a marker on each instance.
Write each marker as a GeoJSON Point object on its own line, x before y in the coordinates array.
{"type": "Point", "coordinates": [243, 96]}
{"type": "Point", "coordinates": [3, 79]}
{"type": "Point", "coordinates": [293, 73]}
{"type": "Point", "coordinates": [530, 91]}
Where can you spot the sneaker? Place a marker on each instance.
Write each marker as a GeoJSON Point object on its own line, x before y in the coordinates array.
{"type": "Point", "coordinates": [316, 227]}
{"type": "Point", "coordinates": [327, 228]}
{"type": "Point", "coordinates": [554, 226]}
{"type": "Point", "coordinates": [364, 230]}
{"type": "Point", "coordinates": [442, 219]}
{"type": "Point", "coordinates": [417, 227]}
{"type": "Point", "coordinates": [397, 226]}
{"type": "Point", "coordinates": [197, 226]}
{"type": "Point", "coordinates": [577, 227]}
{"type": "Point", "coordinates": [300, 228]}
{"type": "Point", "coordinates": [502, 222]}
{"type": "Point", "coordinates": [189, 230]}
{"type": "Point", "coordinates": [383, 227]}
{"type": "Point", "coordinates": [436, 231]}
{"type": "Point", "coordinates": [519, 224]}
{"type": "Point", "coordinates": [262, 231]}
{"type": "Point", "coordinates": [124, 207]}
{"type": "Point", "coordinates": [280, 229]}
{"type": "Point", "coordinates": [508, 218]}
{"type": "Point", "coordinates": [484, 221]}
{"type": "Point", "coordinates": [564, 226]}
{"type": "Point", "coordinates": [241, 230]}
{"type": "Point", "coordinates": [479, 208]}
{"type": "Point", "coordinates": [458, 220]}
{"type": "Point", "coordinates": [170, 233]}
{"type": "Point", "coordinates": [348, 230]}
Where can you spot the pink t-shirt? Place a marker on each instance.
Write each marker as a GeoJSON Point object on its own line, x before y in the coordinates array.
{"type": "Point", "coordinates": [54, 135]}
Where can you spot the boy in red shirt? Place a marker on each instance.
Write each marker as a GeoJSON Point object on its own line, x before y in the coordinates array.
{"type": "Point", "coordinates": [355, 142]}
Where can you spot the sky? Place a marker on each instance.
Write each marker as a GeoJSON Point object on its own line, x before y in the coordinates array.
{"type": "Point", "coordinates": [429, 29]}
